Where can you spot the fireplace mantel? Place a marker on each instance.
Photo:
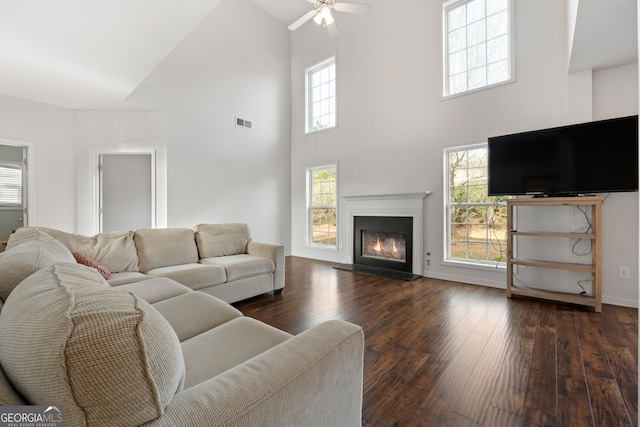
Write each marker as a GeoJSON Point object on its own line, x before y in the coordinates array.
{"type": "Point", "coordinates": [382, 197]}
{"type": "Point", "coordinates": [397, 204]}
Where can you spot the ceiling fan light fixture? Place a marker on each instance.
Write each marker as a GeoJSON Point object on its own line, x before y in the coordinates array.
{"type": "Point", "coordinates": [321, 14]}
{"type": "Point", "coordinates": [323, 17]}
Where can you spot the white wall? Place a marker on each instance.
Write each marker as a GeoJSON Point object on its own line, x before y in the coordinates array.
{"type": "Point", "coordinates": [51, 130]}
{"type": "Point", "coordinates": [614, 92]}
{"type": "Point", "coordinates": [393, 127]}
{"type": "Point", "coordinates": [235, 63]}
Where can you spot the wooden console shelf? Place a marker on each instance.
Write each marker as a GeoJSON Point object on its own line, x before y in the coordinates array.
{"type": "Point", "coordinates": [595, 202]}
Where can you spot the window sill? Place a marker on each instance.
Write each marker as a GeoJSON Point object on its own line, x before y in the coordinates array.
{"type": "Point", "coordinates": [476, 265]}
{"type": "Point", "coordinates": [476, 90]}
{"type": "Point", "coordinates": [322, 247]}
{"type": "Point", "coordinates": [314, 132]}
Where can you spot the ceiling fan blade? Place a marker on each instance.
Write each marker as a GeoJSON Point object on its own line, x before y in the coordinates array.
{"type": "Point", "coordinates": [352, 7]}
{"type": "Point", "coordinates": [333, 30]}
{"type": "Point", "coordinates": [304, 18]}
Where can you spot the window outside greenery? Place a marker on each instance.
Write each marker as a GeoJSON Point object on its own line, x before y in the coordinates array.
{"type": "Point", "coordinates": [476, 223]}
{"type": "Point", "coordinates": [323, 205]}
{"type": "Point", "coordinates": [477, 38]}
{"type": "Point", "coordinates": [321, 96]}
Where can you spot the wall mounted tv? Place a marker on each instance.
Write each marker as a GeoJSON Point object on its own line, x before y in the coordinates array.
{"type": "Point", "coordinates": [587, 158]}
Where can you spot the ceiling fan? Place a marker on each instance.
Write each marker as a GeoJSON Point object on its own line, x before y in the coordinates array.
{"type": "Point", "coordinates": [322, 14]}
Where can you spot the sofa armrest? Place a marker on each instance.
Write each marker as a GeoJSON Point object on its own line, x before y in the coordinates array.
{"type": "Point", "coordinates": [274, 251]}
{"type": "Point", "coordinates": [314, 378]}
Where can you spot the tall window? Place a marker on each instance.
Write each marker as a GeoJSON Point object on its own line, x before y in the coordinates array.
{"type": "Point", "coordinates": [321, 96]}
{"type": "Point", "coordinates": [322, 192]}
{"type": "Point", "coordinates": [10, 184]}
{"type": "Point", "coordinates": [476, 224]}
{"type": "Point", "coordinates": [477, 44]}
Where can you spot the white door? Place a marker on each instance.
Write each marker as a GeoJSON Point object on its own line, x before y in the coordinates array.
{"type": "Point", "coordinates": [127, 191]}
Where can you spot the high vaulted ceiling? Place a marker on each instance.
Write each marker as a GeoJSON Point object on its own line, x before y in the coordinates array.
{"type": "Point", "coordinates": [92, 54]}
{"type": "Point", "coordinates": [88, 54]}
{"type": "Point", "coordinates": [288, 11]}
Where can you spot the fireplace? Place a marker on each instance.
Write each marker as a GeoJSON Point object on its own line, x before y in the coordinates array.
{"type": "Point", "coordinates": [383, 242]}
{"type": "Point", "coordinates": [407, 207]}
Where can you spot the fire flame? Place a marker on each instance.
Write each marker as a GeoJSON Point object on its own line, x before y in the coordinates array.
{"type": "Point", "coordinates": [379, 246]}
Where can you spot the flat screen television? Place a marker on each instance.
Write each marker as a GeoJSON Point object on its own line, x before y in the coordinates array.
{"type": "Point", "coordinates": [587, 158]}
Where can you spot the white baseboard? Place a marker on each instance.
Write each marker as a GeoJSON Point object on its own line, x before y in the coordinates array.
{"type": "Point", "coordinates": [623, 302]}
{"type": "Point", "coordinates": [466, 279]}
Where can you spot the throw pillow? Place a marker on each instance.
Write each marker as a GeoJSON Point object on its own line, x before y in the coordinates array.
{"type": "Point", "coordinates": [109, 357]}
{"type": "Point", "coordinates": [81, 259]}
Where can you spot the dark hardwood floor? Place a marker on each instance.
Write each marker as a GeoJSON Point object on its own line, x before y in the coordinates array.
{"type": "Point", "coordinates": [441, 353]}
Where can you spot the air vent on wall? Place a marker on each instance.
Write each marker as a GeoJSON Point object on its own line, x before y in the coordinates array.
{"type": "Point", "coordinates": [243, 123]}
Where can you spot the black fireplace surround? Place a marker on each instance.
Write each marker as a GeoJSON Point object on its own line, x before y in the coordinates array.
{"type": "Point", "coordinates": [394, 237]}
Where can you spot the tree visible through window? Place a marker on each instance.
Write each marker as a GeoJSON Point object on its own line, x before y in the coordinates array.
{"type": "Point", "coordinates": [321, 96]}
{"type": "Point", "coordinates": [476, 223]}
{"type": "Point", "coordinates": [477, 44]}
{"type": "Point", "coordinates": [323, 205]}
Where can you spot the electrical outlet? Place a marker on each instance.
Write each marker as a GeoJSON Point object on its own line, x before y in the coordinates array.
{"type": "Point", "coordinates": [623, 272]}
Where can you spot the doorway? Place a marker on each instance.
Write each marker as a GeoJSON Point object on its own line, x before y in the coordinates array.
{"type": "Point", "coordinates": [16, 189]}
{"type": "Point", "coordinates": [126, 191]}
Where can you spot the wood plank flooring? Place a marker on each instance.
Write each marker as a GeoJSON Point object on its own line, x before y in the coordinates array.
{"type": "Point", "coordinates": [441, 353]}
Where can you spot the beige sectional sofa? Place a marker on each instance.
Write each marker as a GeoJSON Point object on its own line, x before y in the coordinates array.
{"type": "Point", "coordinates": [219, 259]}
{"type": "Point", "coordinates": [157, 352]}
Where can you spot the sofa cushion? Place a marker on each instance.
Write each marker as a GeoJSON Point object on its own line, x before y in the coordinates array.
{"type": "Point", "coordinates": [242, 266]}
{"type": "Point", "coordinates": [116, 250]}
{"type": "Point", "coordinates": [193, 313]}
{"type": "Point", "coordinates": [222, 239]}
{"type": "Point", "coordinates": [195, 276]}
{"type": "Point", "coordinates": [19, 262]}
{"type": "Point", "coordinates": [163, 247]}
{"type": "Point", "coordinates": [8, 395]}
{"type": "Point", "coordinates": [155, 289]}
{"type": "Point", "coordinates": [124, 277]}
{"type": "Point", "coordinates": [109, 357]}
{"type": "Point", "coordinates": [241, 339]}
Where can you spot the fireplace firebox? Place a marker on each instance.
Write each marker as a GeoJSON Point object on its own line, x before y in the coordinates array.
{"type": "Point", "coordinates": [383, 242]}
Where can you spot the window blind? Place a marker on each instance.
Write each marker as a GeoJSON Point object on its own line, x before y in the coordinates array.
{"type": "Point", "coordinates": [10, 185]}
